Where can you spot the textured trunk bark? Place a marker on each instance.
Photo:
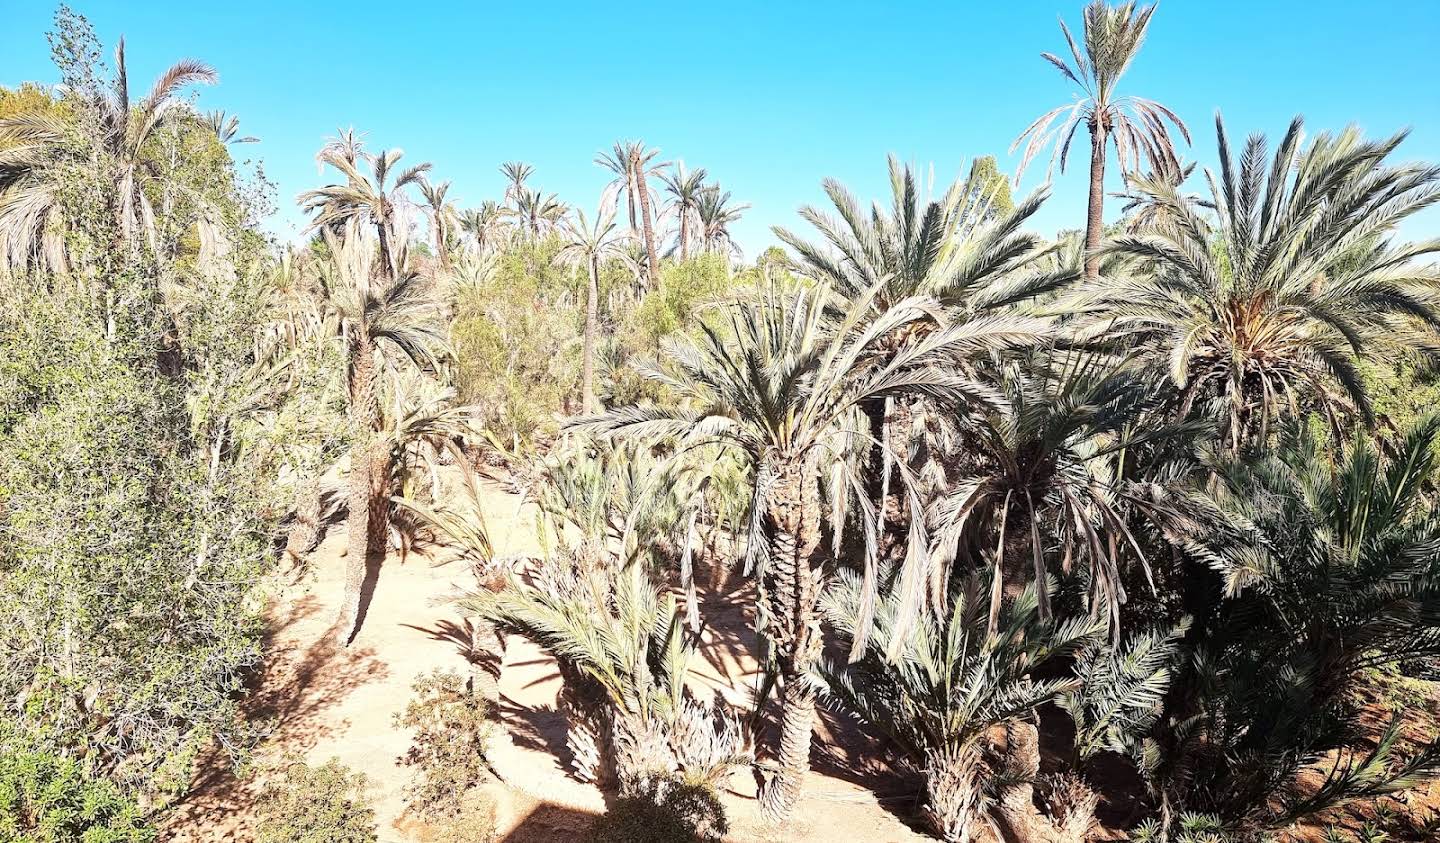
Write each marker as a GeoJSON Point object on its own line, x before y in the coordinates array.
{"type": "Point", "coordinates": [954, 795]}
{"type": "Point", "coordinates": [592, 320]}
{"type": "Point", "coordinates": [440, 245]}
{"type": "Point", "coordinates": [305, 531]}
{"type": "Point", "coordinates": [1070, 811]}
{"type": "Point", "coordinates": [1094, 220]}
{"type": "Point", "coordinates": [364, 413]}
{"type": "Point", "coordinates": [652, 260]}
{"type": "Point", "coordinates": [790, 587]}
{"type": "Point", "coordinates": [382, 228]}
{"type": "Point", "coordinates": [684, 234]}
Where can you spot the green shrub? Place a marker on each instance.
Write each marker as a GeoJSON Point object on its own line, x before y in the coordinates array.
{"type": "Point", "coordinates": [473, 823]}
{"type": "Point", "coordinates": [452, 733]}
{"type": "Point", "coordinates": [45, 799]}
{"type": "Point", "coordinates": [673, 812]}
{"type": "Point", "coordinates": [324, 804]}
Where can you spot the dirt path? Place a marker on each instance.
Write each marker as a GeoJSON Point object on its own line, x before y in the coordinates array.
{"type": "Point", "coordinates": [325, 702]}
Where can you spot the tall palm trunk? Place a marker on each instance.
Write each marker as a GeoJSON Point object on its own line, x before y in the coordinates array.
{"type": "Point", "coordinates": [440, 244]}
{"type": "Point", "coordinates": [364, 412]}
{"type": "Point", "coordinates": [652, 260]}
{"type": "Point", "coordinates": [382, 227]}
{"type": "Point", "coordinates": [684, 233]}
{"type": "Point", "coordinates": [790, 588]}
{"type": "Point", "coordinates": [592, 319]}
{"type": "Point", "coordinates": [630, 201]}
{"type": "Point", "coordinates": [1095, 213]}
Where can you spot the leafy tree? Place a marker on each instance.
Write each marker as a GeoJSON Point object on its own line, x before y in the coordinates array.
{"type": "Point", "coordinates": [1136, 126]}
{"type": "Point", "coordinates": [44, 799]}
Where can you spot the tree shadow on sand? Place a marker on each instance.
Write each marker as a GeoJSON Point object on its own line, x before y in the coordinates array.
{"type": "Point", "coordinates": [287, 704]}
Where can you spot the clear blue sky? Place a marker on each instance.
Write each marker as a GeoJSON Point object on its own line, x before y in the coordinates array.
{"type": "Point", "coordinates": [771, 97]}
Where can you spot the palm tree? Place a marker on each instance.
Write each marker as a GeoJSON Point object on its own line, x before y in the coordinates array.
{"type": "Point", "coordinates": [1328, 561]}
{"type": "Point", "coordinates": [384, 321]}
{"type": "Point", "coordinates": [1273, 304]}
{"type": "Point", "coordinates": [591, 244]}
{"type": "Point", "coordinates": [483, 224]}
{"type": "Point", "coordinates": [784, 396]}
{"type": "Point", "coordinates": [618, 162]}
{"type": "Point", "coordinates": [226, 127]}
{"type": "Point", "coordinates": [348, 145]}
{"type": "Point", "coordinates": [716, 215]}
{"type": "Point", "coordinates": [515, 173]}
{"type": "Point", "coordinates": [442, 215]}
{"type": "Point", "coordinates": [37, 147]}
{"type": "Point", "coordinates": [642, 167]}
{"type": "Point", "coordinates": [951, 686]}
{"type": "Point", "coordinates": [1136, 126]}
{"type": "Point", "coordinates": [539, 213]}
{"type": "Point", "coordinates": [686, 188]}
{"type": "Point", "coordinates": [363, 199]}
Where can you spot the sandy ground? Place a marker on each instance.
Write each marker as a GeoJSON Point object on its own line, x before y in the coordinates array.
{"type": "Point", "coordinates": [322, 702]}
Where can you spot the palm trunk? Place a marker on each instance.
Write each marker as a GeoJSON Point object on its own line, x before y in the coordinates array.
{"type": "Point", "coordinates": [684, 234]}
{"type": "Point", "coordinates": [440, 245]}
{"type": "Point", "coordinates": [364, 414]}
{"type": "Point", "coordinates": [790, 587]}
{"type": "Point", "coordinates": [305, 531]}
{"type": "Point", "coordinates": [1094, 220]}
{"type": "Point", "coordinates": [652, 260]}
{"type": "Point", "coordinates": [387, 265]}
{"type": "Point", "coordinates": [592, 318]}
{"type": "Point", "coordinates": [630, 201]}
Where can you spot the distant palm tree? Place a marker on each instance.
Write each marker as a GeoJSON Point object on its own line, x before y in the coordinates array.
{"type": "Point", "coordinates": [539, 213]}
{"type": "Point", "coordinates": [642, 166]}
{"type": "Point", "coordinates": [618, 162]}
{"type": "Point", "coordinates": [37, 145]}
{"type": "Point", "coordinates": [226, 127]}
{"type": "Point", "coordinates": [383, 320]}
{"type": "Point", "coordinates": [1296, 281]}
{"type": "Point", "coordinates": [591, 244]}
{"type": "Point", "coordinates": [515, 173]}
{"type": "Point", "coordinates": [363, 199]}
{"type": "Point", "coordinates": [442, 216]}
{"type": "Point", "coordinates": [347, 145]}
{"type": "Point", "coordinates": [685, 188]}
{"type": "Point", "coordinates": [1113, 35]}
{"type": "Point", "coordinates": [483, 224]}
{"type": "Point", "coordinates": [716, 214]}
{"type": "Point", "coordinates": [1142, 209]}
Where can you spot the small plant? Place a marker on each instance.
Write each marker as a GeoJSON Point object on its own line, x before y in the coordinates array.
{"type": "Point", "coordinates": [472, 822]}
{"type": "Point", "coordinates": [452, 728]}
{"type": "Point", "coordinates": [324, 804]}
{"type": "Point", "coordinates": [673, 812]}
{"type": "Point", "coordinates": [45, 799]}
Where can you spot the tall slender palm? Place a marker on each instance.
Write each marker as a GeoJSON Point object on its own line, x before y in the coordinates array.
{"type": "Point", "coordinates": [364, 199]}
{"type": "Point", "coordinates": [442, 217]}
{"type": "Point", "coordinates": [37, 147]}
{"type": "Point", "coordinates": [384, 321]}
{"type": "Point", "coordinates": [716, 214]}
{"type": "Point", "coordinates": [784, 396]}
{"type": "Point", "coordinates": [618, 162]}
{"type": "Point", "coordinates": [1136, 126]}
{"type": "Point", "coordinates": [642, 166]}
{"type": "Point", "coordinates": [1297, 279]}
{"type": "Point", "coordinates": [685, 188]}
{"type": "Point", "coordinates": [539, 213]}
{"type": "Point", "coordinates": [515, 173]}
{"type": "Point", "coordinates": [483, 224]}
{"type": "Point", "coordinates": [591, 244]}
{"type": "Point", "coordinates": [227, 127]}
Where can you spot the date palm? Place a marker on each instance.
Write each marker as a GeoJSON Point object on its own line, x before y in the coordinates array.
{"type": "Point", "coordinates": [539, 213]}
{"type": "Point", "coordinates": [1270, 305]}
{"type": "Point", "coordinates": [227, 128]}
{"type": "Point", "coordinates": [384, 322]}
{"type": "Point", "coordinates": [591, 244]}
{"type": "Point", "coordinates": [36, 149]}
{"type": "Point", "coordinates": [365, 199]}
{"type": "Point", "coordinates": [716, 214]}
{"type": "Point", "coordinates": [642, 166]}
{"type": "Point", "coordinates": [617, 161]}
{"type": "Point", "coordinates": [1134, 125]}
{"type": "Point", "coordinates": [784, 396]}
{"type": "Point", "coordinates": [483, 224]}
{"type": "Point", "coordinates": [442, 217]}
{"type": "Point", "coordinates": [515, 173]}
{"type": "Point", "coordinates": [954, 685]}
{"type": "Point", "coordinates": [684, 188]}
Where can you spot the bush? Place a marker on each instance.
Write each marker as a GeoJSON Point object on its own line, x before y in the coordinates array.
{"type": "Point", "coordinates": [324, 804]}
{"type": "Point", "coordinates": [473, 823]}
{"type": "Point", "coordinates": [452, 732]}
{"type": "Point", "coordinates": [45, 799]}
{"type": "Point", "coordinates": [673, 812]}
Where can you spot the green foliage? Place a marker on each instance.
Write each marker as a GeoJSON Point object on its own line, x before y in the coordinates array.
{"type": "Point", "coordinates": [452, 727]}
{"type": "Point", "coordinates": [45, 799]}
{"type": "Point", "coordinates": [473, 821]}
{"type": "Point", "coordinates": [674, 813]}
{"type": "Point", "coordinates": [324, 804]}
{"type": "Point", "coordinates": [1121, 691]}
